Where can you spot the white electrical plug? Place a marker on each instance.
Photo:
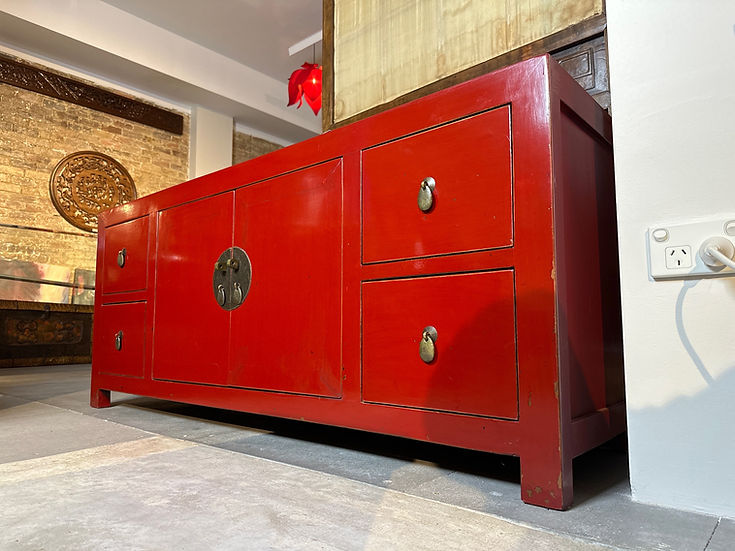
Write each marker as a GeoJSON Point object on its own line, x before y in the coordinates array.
{"type": "Point", "coordinates": [717, 252]}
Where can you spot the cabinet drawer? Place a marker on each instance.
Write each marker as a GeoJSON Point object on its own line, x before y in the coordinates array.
{"type": "Point", "coordinates": [119, 339]}
{"type": "Point", "coordinates": [470, 162]}
{"type": "Point", "coordinates": [125, 257]}
{"type": "Point", "coordinates": [474, 369]}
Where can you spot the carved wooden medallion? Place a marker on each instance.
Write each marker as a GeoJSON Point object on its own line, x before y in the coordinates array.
{"type": "Point", "coordinates": [86, 183]}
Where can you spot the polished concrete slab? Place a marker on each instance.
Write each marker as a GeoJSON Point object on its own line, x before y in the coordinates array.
{"type": "Point", "coordinates": [723, 537]}
{"type": "Point", "coordinates": [207, 498]}
{"type": "Point", "coordinates": [34, 429]}
{"type": "Point", "coordinates": [151, 474]}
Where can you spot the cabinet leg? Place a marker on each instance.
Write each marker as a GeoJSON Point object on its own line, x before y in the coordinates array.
{"type": "Point", "coordinates": [546, 483]}
{"type": "Point", "coordinates": [100, 398]}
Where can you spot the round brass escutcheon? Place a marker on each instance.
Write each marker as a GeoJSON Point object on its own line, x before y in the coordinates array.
{"type": "Point", "coordinates": [231, 278]}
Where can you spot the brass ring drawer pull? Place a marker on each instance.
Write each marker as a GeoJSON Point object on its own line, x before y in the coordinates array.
{"type": "Point", "coordinates": [237, 294]}
{"type": "Point", "coordinates": [121, 257]}
{"type": "Point", "coordinates": [426, 194]}
{"type": "Point", "coordinates": [427, 346]}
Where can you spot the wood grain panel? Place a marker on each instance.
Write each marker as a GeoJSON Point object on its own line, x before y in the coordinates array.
{"type": "Point", "coordinates": [587, 63]}
{"type": "Point", "coordinates": [385, 49]}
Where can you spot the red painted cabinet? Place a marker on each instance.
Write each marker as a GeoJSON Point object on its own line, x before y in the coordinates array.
{"type": "Point", "coordinates": [432, 272]}
{"type": "Point", "coordinates": [190, 238]}
{"type": "Point", "coordinates": [469, 162]}
{"type": "Point", "coordinates": [126, 257]}
{"type": "Point", "coordinates": [120, 346]}
{"type": "Point", "coordinates": [286, 336]}
{"type": "Point", "coordinates": [473, 370]}
{"type": "Point", "coordinates": [291, 229]}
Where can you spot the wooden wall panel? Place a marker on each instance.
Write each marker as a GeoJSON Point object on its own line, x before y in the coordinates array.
{"type": "Point", "coordinates": [384, 49]}
{"type": "Point", "coordinates": [587, 63]}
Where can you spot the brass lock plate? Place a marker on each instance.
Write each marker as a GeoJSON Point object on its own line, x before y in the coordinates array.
{"type": "Point", "coordinates": [231, 278]}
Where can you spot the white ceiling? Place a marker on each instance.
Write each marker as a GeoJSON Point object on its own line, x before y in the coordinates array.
{"type": "Point", "coordinates": [256, 33]}
{"type": "Point", "coordinates": [230, 56]}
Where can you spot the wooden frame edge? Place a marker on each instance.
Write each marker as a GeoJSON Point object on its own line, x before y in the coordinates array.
{"type": "Point", "coordinates": [327, 65]}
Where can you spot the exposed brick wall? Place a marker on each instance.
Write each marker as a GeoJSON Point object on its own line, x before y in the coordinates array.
{"type": "Point", "coordinates": [246, 147]}
{"type": "Point", "coordinates": [36, 132]}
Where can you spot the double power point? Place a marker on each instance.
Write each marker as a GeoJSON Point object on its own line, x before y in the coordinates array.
{"type": "Point", "coordinates": [685, 251]}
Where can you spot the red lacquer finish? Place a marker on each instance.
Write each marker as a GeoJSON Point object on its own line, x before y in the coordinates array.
{"type": "Point", "coordinates": [287, 334]}
{"type": "Point", "coordinates": [192, 335]}
{"type": "Point", "coordinates": [119, 342]}
{"type": "Point", "coordinates": [470, 162]}
{"type": "Point", "coordinates": [126, 257]}
{"type": "Point", "coordinates": [347, 271]}
{"type": "Point", "coordinates": [474, 369]}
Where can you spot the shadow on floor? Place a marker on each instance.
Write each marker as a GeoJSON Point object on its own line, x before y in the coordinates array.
{"type": "Point", "coordinates": [594, 472]}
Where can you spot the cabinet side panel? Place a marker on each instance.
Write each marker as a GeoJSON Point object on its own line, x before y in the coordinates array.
{"type": "Point", "coordinates": [587, 266]}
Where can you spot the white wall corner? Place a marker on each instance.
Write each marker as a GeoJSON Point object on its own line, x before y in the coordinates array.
{"type": "Point", "coordinates": [672, 81]}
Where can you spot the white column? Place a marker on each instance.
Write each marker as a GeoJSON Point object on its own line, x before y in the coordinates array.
{"type": "Point", "coordinates": [210, 142]}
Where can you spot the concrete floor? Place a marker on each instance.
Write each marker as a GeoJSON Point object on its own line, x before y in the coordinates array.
{"type": "Point", "coordinates": [151, 474]}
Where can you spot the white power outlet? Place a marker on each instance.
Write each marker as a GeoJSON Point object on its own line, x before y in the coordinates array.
{"type": "Point", "coordinates": [678, 257]}
{"type": "Point", "coordinates": [673, 250]}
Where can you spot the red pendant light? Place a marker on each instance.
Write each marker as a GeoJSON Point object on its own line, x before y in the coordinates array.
{"type": "Point", "coordinates": [306, 84]}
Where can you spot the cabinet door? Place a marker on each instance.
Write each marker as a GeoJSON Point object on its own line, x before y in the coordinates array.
{"type": "Point", "coordinates": [286, 335]}
{"type": "Point", "coordinates": [191, 330]}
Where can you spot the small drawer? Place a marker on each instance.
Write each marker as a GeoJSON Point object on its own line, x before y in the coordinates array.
{"type": "Point", "coordinates": [470, 204]}
{"type": "Point", "coordinates": [119, 339]}
{"type": "Point", "coordinates": [473, 370]}
{"type": "Point", "coordinates": [125, 257]}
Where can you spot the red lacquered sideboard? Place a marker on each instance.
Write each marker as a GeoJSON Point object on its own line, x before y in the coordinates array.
{"type": "Point", "coordinates": [444, 271]}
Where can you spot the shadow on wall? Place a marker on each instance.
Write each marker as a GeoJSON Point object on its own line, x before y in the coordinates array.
{"type": "Point", "coordinates": [681, 443]}
{"type": "Point", "coordinates": [678, 445]}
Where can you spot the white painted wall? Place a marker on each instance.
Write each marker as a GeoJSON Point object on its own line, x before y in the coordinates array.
{"type": "Point", "coordinates": [672, 69]}
{"type": "Point", "coordinates": [210, 142]}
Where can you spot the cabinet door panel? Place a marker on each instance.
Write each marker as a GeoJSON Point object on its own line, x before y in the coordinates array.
{"type": "Point", "coordinates": [286, 336]}
{"type": "Point", "coordinates": [191, 330]}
